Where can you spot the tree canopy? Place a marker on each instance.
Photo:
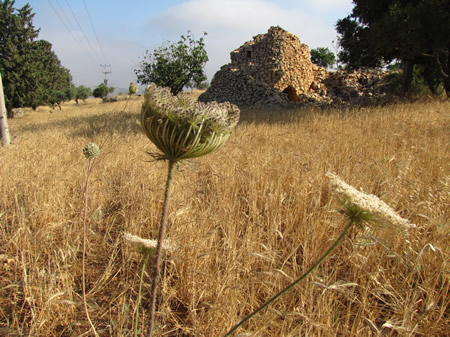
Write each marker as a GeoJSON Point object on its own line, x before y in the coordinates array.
{"type": "Point", "coordinates": [414, 32]}
{"type": "Point", "coordinates": [175, 65]}
{"type": "Point", "coordinates": [323, 57]}
{"type": "Point", "coordinates": [31, 71]}
{"type": "Point", "coordinates": [102, 91]}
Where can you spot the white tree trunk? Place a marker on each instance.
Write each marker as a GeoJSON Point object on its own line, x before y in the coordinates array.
{"type": "Point", "coordinates": [4, 131]}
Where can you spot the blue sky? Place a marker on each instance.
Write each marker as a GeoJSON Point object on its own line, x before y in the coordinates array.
{"type": "Point", "coordinates": [121, 31]}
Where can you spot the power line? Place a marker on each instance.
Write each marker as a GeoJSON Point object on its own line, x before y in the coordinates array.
{"type": "Point", "coordinates": [82, 31]}
{"type": "Point", "coordinates": [71, 31]}
{"type": "Point", "coordinates": [95, 33]}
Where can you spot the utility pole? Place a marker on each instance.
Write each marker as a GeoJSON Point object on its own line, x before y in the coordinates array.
{"type": "Point", "coordinates": [106, 71]}
{"type": "Point", "coordinates": [4, 131]}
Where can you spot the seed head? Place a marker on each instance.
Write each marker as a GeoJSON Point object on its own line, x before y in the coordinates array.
{"type": "Point", "coordinates": [183, 128]}
{"type": "Point", "coordinates": [365, 208]}
{"type": "Point", "coordinates": [91, 150]}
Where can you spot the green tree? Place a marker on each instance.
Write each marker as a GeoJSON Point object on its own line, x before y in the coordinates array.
{"type": "Point", "coordinates": [57, 97]}
{"type": "Point", "coordinates": [82, 92]}
{"type": "Point", "coordinates": [102, 91]}
{"type": "Point", "coordinates": [379, 32]}
{"type": "Point", "coordinates": [48, 75]}
{"type": "Point", "coordinates": [323, 57]}
{"type": "Point", "coordinates": [16, 33]}
{"type": "Point", "coordinates": [176, 65]}
{"type": "Point", "coordinates": [30, 69]}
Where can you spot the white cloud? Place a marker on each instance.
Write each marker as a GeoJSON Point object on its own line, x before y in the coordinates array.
{"type": "Point", "coordinates": [231, 23]}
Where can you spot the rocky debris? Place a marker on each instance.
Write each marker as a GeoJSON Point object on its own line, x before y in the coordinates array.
{"type": "Point", "coordinates": [276, 69]}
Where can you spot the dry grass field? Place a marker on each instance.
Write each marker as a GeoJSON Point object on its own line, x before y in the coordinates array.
{"type": "Point", "coordinates": [247, 219]}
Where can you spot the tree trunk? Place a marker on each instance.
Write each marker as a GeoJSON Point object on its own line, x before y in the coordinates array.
{"type": "Point", "coordinates": [407, 76]}
{"type": "Point", "coordinates": [4, 131]}
{"type": "Point", "coordinates": [447, 86]}
{"type": "Point", "coordinates": [446, 74]}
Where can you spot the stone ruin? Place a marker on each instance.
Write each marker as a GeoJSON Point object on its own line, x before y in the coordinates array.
{"type": "Point", "coordinates": [276, 69]}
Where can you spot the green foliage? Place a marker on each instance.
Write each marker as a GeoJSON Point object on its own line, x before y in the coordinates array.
{"type": "Point", "coordinates": [323, 57]}
{"type": "Point", "coordinates": [203, 85]}
{"type": "Point", "coordinates": [82, 93]}
{"type": "Point", "coordinates": [102, 91]}
{"type": "Point", "coordinates": [414, 32]}
{"type": "Point", "coordinates": [422, 83]}
{"type": "Point", "coordinates": [57, 97]}
{"type": "Point", "coordinates": [30, 69]}
{"type": "Point", "coordinates": [176, 65]}
{"type": "Point", "coordinates": [70, 92]}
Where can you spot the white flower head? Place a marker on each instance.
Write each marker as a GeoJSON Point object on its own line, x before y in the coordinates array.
{"type": "Point", "coordinates": [363, 207]}
{"type": "Point", "coordinates": [147, 245]}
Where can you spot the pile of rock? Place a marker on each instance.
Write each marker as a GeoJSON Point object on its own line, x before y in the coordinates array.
{"type": "Point", "coordinates": [359, 87]}
{"type": "Point", "coordinates": [276, 69]}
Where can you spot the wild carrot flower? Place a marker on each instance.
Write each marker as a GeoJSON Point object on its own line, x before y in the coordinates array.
{"type": "Point", "coordinates": [147, 245]}
{"type": "Point", "coordinates": [91, 150]}
{"type": "Point", "coordinates": [183, 128]}
{"type": "Point", "coordinates": [360, 208]}
{"type": "Point", "coordinates": [363, 207]}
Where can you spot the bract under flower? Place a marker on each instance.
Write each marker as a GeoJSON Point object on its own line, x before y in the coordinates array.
{"type": "Point", "coordinates": [183, 128]}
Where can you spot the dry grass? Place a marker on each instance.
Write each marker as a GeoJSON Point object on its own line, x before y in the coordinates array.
{"type": "Point", "coordinates": [248, 220]}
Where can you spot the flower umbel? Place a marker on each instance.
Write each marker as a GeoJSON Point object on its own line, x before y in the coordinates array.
{"type": "Point", "coordinates": [365, 208]}
{"type": "Point", "coordinates": [147, 245]}
{"type": "Point", "coordinates": [91, 150]}
{"type": "Point", "coordinates": [183, 128]}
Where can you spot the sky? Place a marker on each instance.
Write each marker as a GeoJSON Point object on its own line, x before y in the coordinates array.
{"type": "Point", "coordinates": [87, 35]}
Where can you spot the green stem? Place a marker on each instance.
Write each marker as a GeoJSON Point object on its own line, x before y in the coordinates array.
{"type": "Point", "coordinates": [314, 266]}
{"type": "Point", "coordinates": [144, 264]}
{"type": "Point", "coordinates": [162, 229]}
{"type": "Point", "coordinates": [83, 272]}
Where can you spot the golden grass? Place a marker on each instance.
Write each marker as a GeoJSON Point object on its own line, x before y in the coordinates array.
{"type": "Point", "coordinates": [247, 220]}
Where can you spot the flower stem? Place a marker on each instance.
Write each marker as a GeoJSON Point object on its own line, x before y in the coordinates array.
{"type": "Point", "coordinates": [162, 229]}
{"type": "Point", "coordinates": [83, 276]}
{"type": "Point", "coordinates": [144, 264]}
{"type": "Point", "coordinates": [314, 266]}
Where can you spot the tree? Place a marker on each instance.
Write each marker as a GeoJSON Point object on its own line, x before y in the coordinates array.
{"type": "Point", "coordinates": [82, 93]}
{"type": "Point", "coordinates": [379, 32]}
{"type": "Point", "coordinates": [102, 91]}
{"type": "Point", "coordinates": [30, 69]}
{"type": "Point", "coordinates": [16, 33]}
{"type": "Point", "coordinates": [176, 65]}
{"type": "Point", "coordinates": [57, 97]}
{"type": "Point", "coordinates": [323, 57]}
{"type": "Point", "coordinates": [48, 75]}
{"type": "Point", "coordinates": [132, 89]}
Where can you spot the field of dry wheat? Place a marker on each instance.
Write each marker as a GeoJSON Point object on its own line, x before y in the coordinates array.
{"type": "Point", "coordinates": [247, 220]}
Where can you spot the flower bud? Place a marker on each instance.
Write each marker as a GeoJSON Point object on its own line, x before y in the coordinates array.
{"type": "Point", "coordinates": [91, 150]}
